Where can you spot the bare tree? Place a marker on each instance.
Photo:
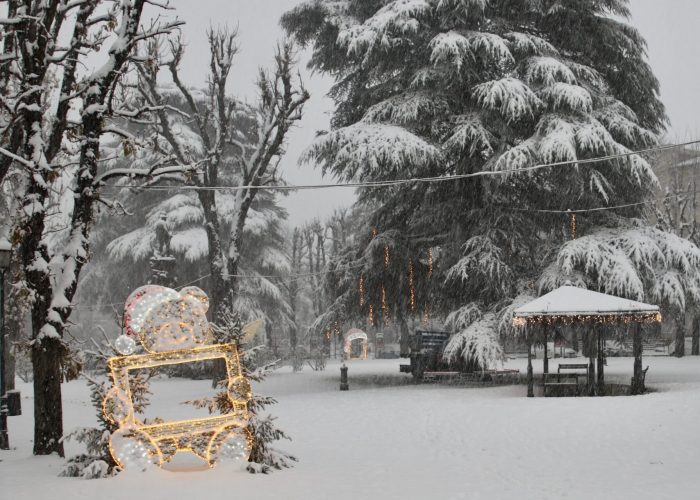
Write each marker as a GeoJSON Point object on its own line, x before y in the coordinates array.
{"type": "Point", "coordinates": [292, 285]}
{"type": "Point", "coordinates": [236, 144]}
{"type": "Point", "coordinates": [678, 212]}
{"type": "Point", "coordinates": [43, 81]}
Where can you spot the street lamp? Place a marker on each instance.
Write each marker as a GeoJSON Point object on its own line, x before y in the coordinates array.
{"type": "Point", "coordinates": [5, 251]}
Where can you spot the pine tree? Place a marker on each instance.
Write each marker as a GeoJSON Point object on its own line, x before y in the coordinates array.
{"type": "Point", "coordinates": [97, 462]}
{"type": "Point", "coordinates": [263, 456]}
{"type": "Point", "coordinates": [449, 87]}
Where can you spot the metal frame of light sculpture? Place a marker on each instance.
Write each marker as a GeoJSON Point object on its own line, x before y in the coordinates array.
{"type": "Point", "coordinates": [164, 439]}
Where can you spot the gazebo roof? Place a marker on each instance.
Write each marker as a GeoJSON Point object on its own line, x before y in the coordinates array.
{"type": "Point", "coordinates": [570, 303]}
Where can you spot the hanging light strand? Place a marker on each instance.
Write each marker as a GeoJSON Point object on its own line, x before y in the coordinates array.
{"type": "Point", "coordinates": [361, 290]}
{"type": "Point", "coordinates": [385, 307]}
{"type": "Point", "coordinates": [430, 262]}
{"type": "Point", "coordinates": [572, 225]}
{"type": "Point", "coordinates": [411, 288]}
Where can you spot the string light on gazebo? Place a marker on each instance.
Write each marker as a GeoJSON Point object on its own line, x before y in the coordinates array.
{"type": "Point", "coordinates": [587, 318]}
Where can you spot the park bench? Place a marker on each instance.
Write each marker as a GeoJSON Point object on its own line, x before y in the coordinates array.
{"type": "Point", "coordinates": [442, 375]}
{"type": "Point", "coordinates": [570, 379]}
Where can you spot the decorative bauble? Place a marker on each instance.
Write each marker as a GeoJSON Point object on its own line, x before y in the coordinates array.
{"type": "Point", "coordinates": [234, 449]}
{"type": "Point", "coordinates": [125, 345]}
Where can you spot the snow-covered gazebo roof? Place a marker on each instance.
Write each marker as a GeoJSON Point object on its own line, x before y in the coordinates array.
{"type": "Point", "coordinates": [569, 304]}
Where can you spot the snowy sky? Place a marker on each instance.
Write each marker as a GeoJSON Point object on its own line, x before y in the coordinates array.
{"type": "Point", "coordinates": [671, 32]}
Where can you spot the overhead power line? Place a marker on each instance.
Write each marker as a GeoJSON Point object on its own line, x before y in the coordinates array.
{"type": "Point", "coordinates": [413, 180]}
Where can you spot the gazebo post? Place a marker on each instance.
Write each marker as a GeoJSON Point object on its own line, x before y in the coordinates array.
{"type": "Point", "coordinates": [530, 381]}
{"type": "Point", "coordinates": [601, 360]}
{"type": "Point", "coordinates": [591, 366]}
{"type": "Point", "coordinates": [637, 349]}
{"type": "Point", "coordinates": [545, 361]}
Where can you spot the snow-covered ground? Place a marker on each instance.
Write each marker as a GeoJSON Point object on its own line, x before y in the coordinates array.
{"type": "Point", "coordinates": [389, 439]}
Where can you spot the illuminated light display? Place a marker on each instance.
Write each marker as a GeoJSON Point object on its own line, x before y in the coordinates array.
{"type": "Point", "coordinates": [125, 345]}
{"type": "Point", "coordinates": [362, 290]}
{"type": "Point", "coordinates": [136, 444]}
{"type": "Point", "coordinates": [430, 262]}
{"type": "Point", "coordinates": [387, 256]}
{"type": "Point", "coordinates": [426, 314]}
{"type": "Point", "coordinates": [385, 307]}
{"type": "Point", "coordinates": [411, 287]}
{"type": "Point", "coordinates": [371, 315]}
{"type": "Point", "coordinates": [572, 225]}
{"type": "Point", "coordinates": [587, 318]}
{"type": "Point", "coordinates": [164, 319]}
{"type": "Point", "coordinates": [352, 336]}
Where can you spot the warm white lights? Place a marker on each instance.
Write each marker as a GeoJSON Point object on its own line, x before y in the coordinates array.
{"type": "Point", "coordinates": [161, 317]}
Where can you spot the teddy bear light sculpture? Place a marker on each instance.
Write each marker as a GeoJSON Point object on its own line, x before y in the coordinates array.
{"type": "Point", "coordinates": [172, 328]}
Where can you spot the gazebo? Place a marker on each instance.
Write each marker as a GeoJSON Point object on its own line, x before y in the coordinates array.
{"type": "Point", "coordinates": [572, 306]}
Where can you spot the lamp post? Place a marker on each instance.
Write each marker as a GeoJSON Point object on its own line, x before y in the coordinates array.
{"type": "Point", "coordinates": [5, 251]}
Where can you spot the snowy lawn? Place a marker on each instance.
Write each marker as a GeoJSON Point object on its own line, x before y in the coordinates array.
{"type": "Point", "coordinates": [389, 439]}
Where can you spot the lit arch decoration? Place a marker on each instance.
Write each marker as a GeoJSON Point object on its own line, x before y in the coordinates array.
{"type": "Point", "coordinates": [173, 329]}
{"type": "Point", "coordinates": [352, 335]}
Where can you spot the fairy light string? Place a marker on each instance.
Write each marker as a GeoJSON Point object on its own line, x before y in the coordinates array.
{"type": "Point", "coordinates": [361, 290]}
{"type": "Point", "coordinates": [385, 307]}
{"type": "Point", "coordinates": [572, 225]}
{"type": "Point", "coordinates": [571, 319]}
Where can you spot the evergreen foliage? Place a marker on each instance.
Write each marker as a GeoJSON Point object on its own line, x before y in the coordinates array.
{"type": "Point", "coordinates": [445, 87]}
{"type": "Point", "coordinates": [97, 462]}
{"type": "Point", "coordinates": [264, 458]}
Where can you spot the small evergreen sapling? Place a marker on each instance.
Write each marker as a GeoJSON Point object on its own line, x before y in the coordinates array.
{"type": "Point", "coordinates": [97, 462]}
{"type": "Point", "coordinates": [263, 457]}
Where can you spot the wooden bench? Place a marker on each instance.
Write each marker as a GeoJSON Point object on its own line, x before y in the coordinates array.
{"type": "Point", "coordinates": [570, 380]}
{"type": "Point", "coordinates": [572, 366]}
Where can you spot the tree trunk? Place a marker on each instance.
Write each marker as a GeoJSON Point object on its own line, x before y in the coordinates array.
{"type": "Point", "coordinates": [695, 348]}
{"type": "Point", "coordinates": [679, 350]}
{"type": "Point", "coordinates": [637, 349]}
{"type": "Point", "coordinates": [404, 346]}
{"type": "Point", "coordinates": [530, 376]}
{"type": "Point", "coordinates": [48, 413]}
